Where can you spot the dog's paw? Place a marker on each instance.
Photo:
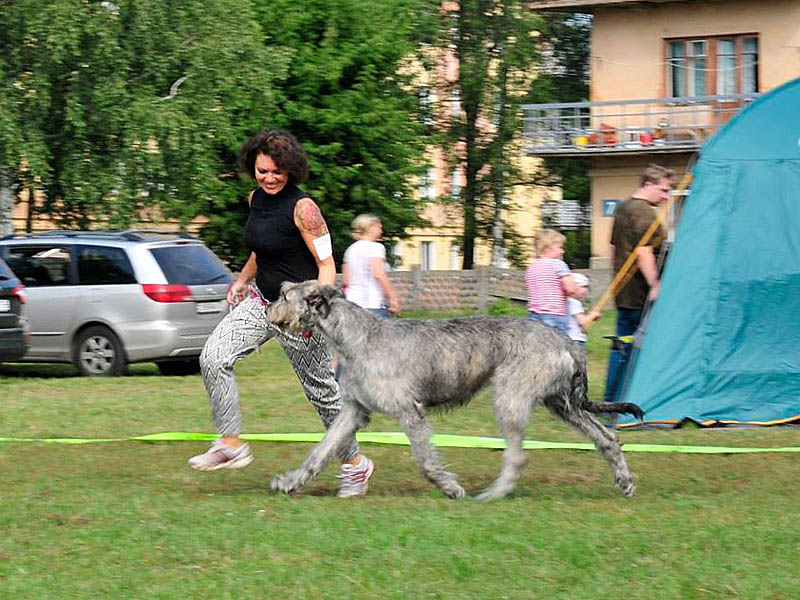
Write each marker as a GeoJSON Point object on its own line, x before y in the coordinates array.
{"type": "Point", "coordinates": [453, 490]}
{"type": "Point", "coordinates": [286, 483]}
{"type": "Point", "coordinates": [627, 488]}
{"type": "Point", "coordinates": [491, 493]}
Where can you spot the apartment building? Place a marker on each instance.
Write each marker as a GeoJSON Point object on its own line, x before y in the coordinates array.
{"type": "Point", "coordinates": [665, 75]}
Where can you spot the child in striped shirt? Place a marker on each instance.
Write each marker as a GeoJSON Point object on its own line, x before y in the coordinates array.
{"type": "Point", "coordinates": [548, 281]}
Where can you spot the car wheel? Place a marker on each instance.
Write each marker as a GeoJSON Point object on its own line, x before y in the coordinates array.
{"type": "Point", "coordinates": [179, 367]}
{"type": "Point", "coordinates": [99, 353]}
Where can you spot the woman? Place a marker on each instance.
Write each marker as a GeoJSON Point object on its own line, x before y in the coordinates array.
{"type": "Point", "coordinates": [364, 269]}
{"type": "Point", "coordinates": [289, 241]}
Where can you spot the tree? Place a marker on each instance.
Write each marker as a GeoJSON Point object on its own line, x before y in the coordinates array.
{"type": "Point", "coordinates": [107, 109]}
{"type": "Point", "coordinates": [347, 102]}
{"type": "Point", "coordinates": [564, 77]}
{"type": "Point", "coordinates": [493, 43]}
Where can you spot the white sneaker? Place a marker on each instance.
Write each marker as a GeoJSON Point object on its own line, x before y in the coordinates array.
{"type": "Point", "coordinates": [222, 456]}
{"type": "Point", "coordinates": [353, 479]}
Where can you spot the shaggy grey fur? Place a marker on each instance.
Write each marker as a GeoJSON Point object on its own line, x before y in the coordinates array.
{"type": "Point", "coordinates": [405, 367]}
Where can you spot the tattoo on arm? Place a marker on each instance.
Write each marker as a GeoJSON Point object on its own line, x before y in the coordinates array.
{"type": "Point", "coordinates": [309, 218]}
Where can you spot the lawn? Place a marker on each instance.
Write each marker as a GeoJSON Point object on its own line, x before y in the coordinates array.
{"type": "Point", "coordinates": [129, 519]}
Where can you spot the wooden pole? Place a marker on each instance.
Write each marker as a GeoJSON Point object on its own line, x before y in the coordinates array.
{"type": "Point", "coordinates": [630, 265]}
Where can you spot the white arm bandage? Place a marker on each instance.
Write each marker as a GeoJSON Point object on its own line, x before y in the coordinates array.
{"type": "Point", "coordinates": [323, 246]}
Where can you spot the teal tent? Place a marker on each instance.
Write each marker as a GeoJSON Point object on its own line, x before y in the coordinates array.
{"type": "Point", "coordinates": [722, 344]}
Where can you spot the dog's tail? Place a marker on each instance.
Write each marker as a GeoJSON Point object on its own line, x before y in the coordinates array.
{"type": "Point", "coordinates": [580, 385]}
{"type": "Point", "coordinates": [614, 407]}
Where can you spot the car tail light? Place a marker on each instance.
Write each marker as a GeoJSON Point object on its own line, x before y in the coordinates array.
{"type": "Point", "coordinates": [167, 293]}
{"type": "Point", "coordinates": [20, 293]}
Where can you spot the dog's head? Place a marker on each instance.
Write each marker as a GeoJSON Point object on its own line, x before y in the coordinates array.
{"type": "Point", "coordinates": [301, 306]}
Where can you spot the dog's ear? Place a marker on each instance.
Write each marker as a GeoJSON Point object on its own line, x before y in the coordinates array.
{"type": "Point", "coordinates": [321, 297]}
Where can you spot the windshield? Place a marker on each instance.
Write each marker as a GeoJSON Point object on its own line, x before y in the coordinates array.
{"type": "Point", "coordinates": [191, 264]}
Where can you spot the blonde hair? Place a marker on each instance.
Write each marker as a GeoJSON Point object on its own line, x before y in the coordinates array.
{"type": "Point", "coordinates": [363, 222]}
{"type": "Point", "coordinates": [545, 238]}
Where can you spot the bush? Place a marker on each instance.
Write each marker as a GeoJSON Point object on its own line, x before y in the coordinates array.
{"type": "Point", "coordinates": [506, 307]}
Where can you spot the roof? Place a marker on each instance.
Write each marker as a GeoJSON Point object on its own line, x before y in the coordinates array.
{"type": "Point", "coordinates": [590, 5]}
{"type": "Point", "coordinates": [131, 236]}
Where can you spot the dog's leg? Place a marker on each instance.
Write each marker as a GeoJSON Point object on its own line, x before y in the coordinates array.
{"type": "Point", "coordinates": [605, 441]}
{"type": "Point", "coordinates": [351, 417]}
{"type": "Point", "coordinates": [512, 418]}
{"type": "Point", "coordinates": [419, 434]}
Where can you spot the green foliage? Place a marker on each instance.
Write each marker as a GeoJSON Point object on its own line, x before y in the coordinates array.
{"type": "Point", "coordinates": [346, 101]}
{"type": "Point", "coordinates": [108, 109]}
{"type": "Point", "coordinates": [566, 38]}
{"type": "Point", "coordinates": [578, 248]}
{"type": "Point", "coordinates": [494, 44]}
{"type": "Point", "coordinates": [504, 307]}
{"type": "Point", "coordinates": [111, 108]}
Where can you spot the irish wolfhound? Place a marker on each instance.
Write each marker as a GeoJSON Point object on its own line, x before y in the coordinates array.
{"type": "Point", "coordinates": [405, 367]}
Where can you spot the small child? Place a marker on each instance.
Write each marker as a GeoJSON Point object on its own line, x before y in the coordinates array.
{"type": "Point", "coordinates": [578, 319]}
{"type": "Point", "coordinates": [548, 281]}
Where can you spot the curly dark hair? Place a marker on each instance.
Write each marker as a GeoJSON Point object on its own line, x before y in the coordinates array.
{"type": "Point", "coordinates": [282, 147]}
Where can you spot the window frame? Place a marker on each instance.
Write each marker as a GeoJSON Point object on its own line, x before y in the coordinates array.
{"type": "Point", "coordinates": [712, 57]}
{"type": "Point", "coordinates": [426, 256]}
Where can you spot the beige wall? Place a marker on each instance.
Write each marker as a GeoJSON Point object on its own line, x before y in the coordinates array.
{"type": "Point", "coordinates": [628, 63]}
{"type": "Point", "coordinates": [148, 218]}
{"type": "Point", "coordinates": [446, 220]}
{"type": "Point", "coordinates": [628, 42]}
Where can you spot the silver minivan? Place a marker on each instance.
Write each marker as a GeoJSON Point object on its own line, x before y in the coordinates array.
{"type": "Point", "coordinates": [103, 299]}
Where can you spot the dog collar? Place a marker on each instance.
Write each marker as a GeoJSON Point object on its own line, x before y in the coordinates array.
{"type": "Point", "coordinates": [306, 334]}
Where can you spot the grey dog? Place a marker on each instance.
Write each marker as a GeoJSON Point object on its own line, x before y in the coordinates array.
{"type": "Point", "coordinates": [405, 367]}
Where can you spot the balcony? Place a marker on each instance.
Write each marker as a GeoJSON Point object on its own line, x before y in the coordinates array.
{"type": "Point", "coordinates": [653, 126]}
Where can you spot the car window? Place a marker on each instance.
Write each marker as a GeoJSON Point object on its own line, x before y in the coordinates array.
{"type": "Point", "coordinates": [190, 264]}
{"type": "Point", "coordinates": [39, 266]}
{"type": "Point", "coordinates": [101, 265]}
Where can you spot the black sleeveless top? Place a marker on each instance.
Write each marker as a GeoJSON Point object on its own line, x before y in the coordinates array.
{"type": "Point", "coordinates": [270, 232]}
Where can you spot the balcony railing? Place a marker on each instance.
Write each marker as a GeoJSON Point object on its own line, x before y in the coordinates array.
{"type": "Point", "coordinates": [627, 126]}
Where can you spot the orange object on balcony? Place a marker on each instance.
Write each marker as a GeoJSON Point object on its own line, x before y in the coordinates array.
{"type": "Point", "coordinates": [605, 136]}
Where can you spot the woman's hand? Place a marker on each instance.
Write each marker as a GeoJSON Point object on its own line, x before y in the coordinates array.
{"type": "Point", "coordinates": [237, 291]}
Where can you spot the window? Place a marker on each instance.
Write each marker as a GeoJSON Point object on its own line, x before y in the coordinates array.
{"type": "Point", "coordinates": [427, 184]}
{"type": "Point", "coordinates": [426, 256]}
{"type": "Point", "coordinates": [455, 183]}
{"type": "Point", "coordinates": [427, 99]}
{"type": "Point", "coordinates": [455, 262]}
{"type": "Point", "coordinates": [750, 65]}
{"type": "Point", "coordinates": [191, 264]}
{"type": "Point", "coordinates": [455, 103]}
{"type": "Point", "coordinates": [101, 265]}
{"type": "Point", "coordinates": [712, 66]}
{"type": "Point", "coordinates": [40, 266]}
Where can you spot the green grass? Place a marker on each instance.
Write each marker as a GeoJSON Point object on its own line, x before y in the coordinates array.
{"type": "Point", "coordinates": [130, 520]}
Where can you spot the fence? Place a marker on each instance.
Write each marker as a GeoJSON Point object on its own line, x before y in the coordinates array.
{"type": "Point", "coordinates": [470, 290]}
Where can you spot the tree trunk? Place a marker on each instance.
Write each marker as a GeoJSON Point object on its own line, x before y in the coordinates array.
{"type": "Point", "coordinates": [29, 216]}
{"type": "Point", "coordinates": [6, 204]}
{"type": "Point", "coordinates": [498, 162]}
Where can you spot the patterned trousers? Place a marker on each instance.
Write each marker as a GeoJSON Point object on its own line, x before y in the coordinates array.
{"type": "Point", "coordinates": [243, 330]}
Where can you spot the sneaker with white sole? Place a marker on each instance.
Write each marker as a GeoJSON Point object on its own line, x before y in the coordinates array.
{"type": "Point", "coordinates": [222, 456]}
{"type": "Point", "coordinates": [353, 479]}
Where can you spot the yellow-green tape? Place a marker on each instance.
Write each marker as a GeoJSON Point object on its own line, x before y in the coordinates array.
{"type": "Point", "coordinates": [397, 438]}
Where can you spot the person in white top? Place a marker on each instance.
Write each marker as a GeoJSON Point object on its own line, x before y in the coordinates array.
{"type": "Point", "coordinates": [364, 269]}
{"type": "Point", "coordinates": [578, 320]}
